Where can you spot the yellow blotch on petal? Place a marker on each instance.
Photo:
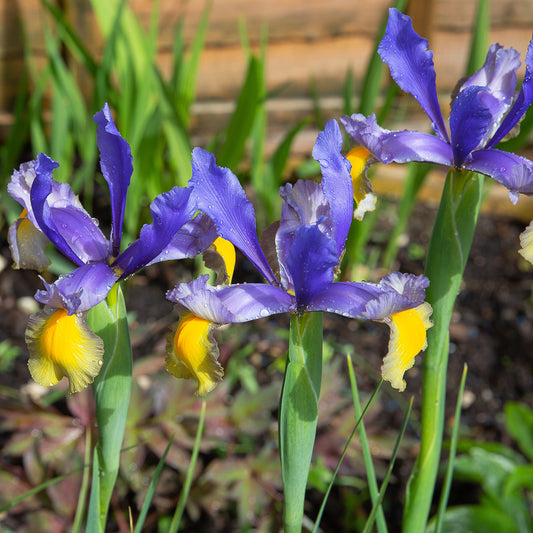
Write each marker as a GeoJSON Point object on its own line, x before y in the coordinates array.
{"type": "Point", "coordinates": [407, 340]}
{"type": "Point", "coordinates": [362, 190]}
{"type": "Point", "coordinates": [526, 241]}
{"type": "Point", "coordinates": [220, 257]}
{"type": "Point", "coordinates": [62, 345]}
{"type": "Point", "coordinates": [27, 244]}
{"type": "Point", "coordinates": [192, 353]}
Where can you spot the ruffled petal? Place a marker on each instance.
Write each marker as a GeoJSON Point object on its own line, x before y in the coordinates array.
{"type": "Point", "coordinates": [396, 146]}
{"type": "Point", "coordinates": [311, 263]}
{"type": "Point", "coordinates": [27, 245]}
{"type": "Point", "coordinates": [470, 120]}
{"type": "Point", "coordinates": [219, 195]}
{"type": "Point", "coordinates": [406, 146]}
{"type": "Point", "coordinates": [521, 104]}
{"type": "Point", "coordinates": [62, 345]}
{"type": "Point", "coordinates": [116, 163]}
{"type": "Point", "coordinates": [407, 340]}
{"type": "Point", "coordinates": [80, 289]}
{"type": "Point", "coordinates": [411, 66]}
{"type": "Point", "coordinates": [303, 203]}
{"type": "Point", "coordinates": [233, 303]}
{"type": "Point", "coordinates": [170, 211]}
{"type": "Point", "coordinates": [511, 170]}
{"type": "Point", "coordinates": [363, 195]}
{"type": "Point", "coordinates": [366, 132]}
{"type": "Point", "coordinates": [192, 239]}
{"type": "Point", "coordinates": [375, 301]}
{"type": "Point", "coordinates": [336, 180]}
{"type": "Point", "coordinates": [498, 73]}
{"type": "Point", "coordinates": [192, 352]}
{"type": "Point", "coordinates": [67, 226]}
{"type": "Point", "coordinates": [526, 241]}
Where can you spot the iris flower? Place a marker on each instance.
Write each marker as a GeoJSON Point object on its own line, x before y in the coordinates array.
{"type": "Point", "coordinates": [484, 111]}
{"type": "Point", "coordinates": [59, 341]}
{"type": "Point", "coordinates": [305, 250]}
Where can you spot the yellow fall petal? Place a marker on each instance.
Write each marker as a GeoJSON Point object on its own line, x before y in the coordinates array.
{"type": "Point", "coordinates": [407, 339]}
{"type": "Point", "coordinates": [27, 245]}
{"type": "Point", "coordinates": [220, 257]}
{"type": "Point", "coordinates": [62, 345]}
{"type": "Point", "coordinates": [192, 353]}
{"type": "Point", "coordinates": [526, 241]}
{"type": "Point", "coordinates": [362, 191]}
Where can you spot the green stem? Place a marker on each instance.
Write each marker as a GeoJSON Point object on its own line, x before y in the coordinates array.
{"type": "Point", "coordinates": [446, 259]}
{"type": "Point", "coordinates": [299, 413]}
{"type": "Point", "coordinates": [112, 390]}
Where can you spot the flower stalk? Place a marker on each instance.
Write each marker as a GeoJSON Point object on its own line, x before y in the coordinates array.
{"type": "Point", "coordinates": [299, 413]}
{"type": "Point", "coordinates": [447, 255]}
{"type": "Point", "coordinates": [112, 390]}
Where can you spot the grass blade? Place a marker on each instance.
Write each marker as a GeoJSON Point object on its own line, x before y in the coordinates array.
{"type": "Point", "coordinates": [176, 519]}
{"type": "Point", "coordinates": [151, 488]}
{"type": "Point", "coordinates": [443, 503]}
{"type": "Point", "coordinates": [358, 425]}
{"type": "Point", "coordinates": [383, 488]}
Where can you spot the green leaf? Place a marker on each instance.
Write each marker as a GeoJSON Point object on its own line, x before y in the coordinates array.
{"type": "Point", "coordinates": [519, 423]}
{"type": "Point", "coordinates": [151, 489]}
{"type": "Point", "coordinates": [521, 478]}
{"type": "Point", "coordinates": [299, 413]}
{"type": "Point", "coordinates": [242, 119]}
{"type": "Point", "coordinates": [112, 390]}
{"type": "Point", "coordinates": [480, 38]}
{"type": "Point", "coordinates": [475, 519]}
{"type": "Point", "coordinates": [447, 255]}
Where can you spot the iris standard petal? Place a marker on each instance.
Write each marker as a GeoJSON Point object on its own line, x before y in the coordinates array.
{"type": "Point", "coordinates": [411, 66]}
{"type": "Point", "coordinates": [19, 188]}
{"type": "Point", "coordinates": [170, 211]}
{"type": "Point", "coordinates": [511, 170]}
{"type": "Point", "coordinates": [116, 163]}
{"type": "Point", "coordinates": [80, 289]}
{"type": "Point", "coordinates": [303, 203]}
{"type": "Point", "coordinates": [219, 194]}
{"type": "Point", "coordinates": [74, 229]}
{"type": "Point", "coordinates": [521, 104]}
{"type": "Point", "coordinates": [62, 345]}
{"type": "Point", "coordinates": [41, 188]}
{"type": "Point", "coordinates": [79, 231]}
{"type": "Point", "coordinates": [192, 352]}
{"type": "Point", "coordinates": [498, 73]}
{"type": "Point", "coordinates": [193, 238]}
{"type": "Point", "coordinates": [230, 304]}
{"type": "Point", "coordinates": [469, 122]}
{"type": "Point", "coordinates": [311, 263]}
{"type": "Point", "coordinates": [336, 180]}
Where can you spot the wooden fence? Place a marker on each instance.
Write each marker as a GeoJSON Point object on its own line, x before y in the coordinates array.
{"type": "Point", "coordinates": [315, 40]}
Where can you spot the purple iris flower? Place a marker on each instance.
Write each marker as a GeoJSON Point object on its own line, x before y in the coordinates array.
{"type": "Point", "coordinates": [305, 250]}
{"type": "Point", "coordinates": [483, 113]}
{"type": "Point", "coordinates": [59, 340]}
{"type": "Point", "coordinates": [57, 214]}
